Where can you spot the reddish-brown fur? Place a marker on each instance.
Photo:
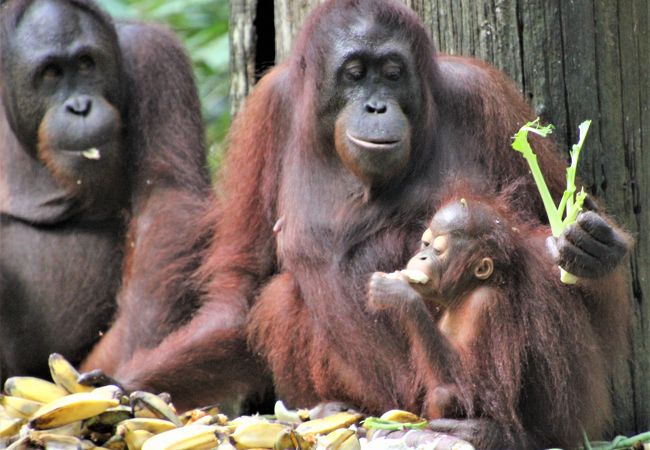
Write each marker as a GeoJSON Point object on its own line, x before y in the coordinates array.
{"type": "Point", "coordinates": [305, 278]}
{"type": "Point", "coordinates": [519, 347]}
{"type": "Point", "coordinates": [170, 192]}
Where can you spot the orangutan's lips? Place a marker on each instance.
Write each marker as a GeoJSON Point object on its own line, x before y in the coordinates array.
{"type": "Point", "coordinates": [374, 144]}
{"type": "Point", "coordinates": [93, 153]}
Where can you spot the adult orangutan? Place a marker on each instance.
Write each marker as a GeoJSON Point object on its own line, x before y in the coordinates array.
{"type": "Point", "coordinates": [332, 172]}
{"type": "Point", "coordinates": [495, 336]}
{"type": "Point", "coordinates": [102, 167]}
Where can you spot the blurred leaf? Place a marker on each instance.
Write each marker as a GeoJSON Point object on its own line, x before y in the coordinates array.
{"type": "Point", "coordinates": [202, 25]}
{"type": "Point", "coordinates": [214, 53]}
{"type": "Point", "coordinates": [117, 8]}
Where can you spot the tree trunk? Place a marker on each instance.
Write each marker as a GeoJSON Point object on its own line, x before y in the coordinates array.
{"type": "Point", "coordinates": [242, 50]}
{"type": "Point", "coordinates": [573, 60]}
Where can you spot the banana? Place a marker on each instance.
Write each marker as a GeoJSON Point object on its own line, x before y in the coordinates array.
{"type": "Point", "coordinates": [108, 419]}
{"type": "Point", "coordinates": [339, 439]}
{"type": "Point", "coordinates": [258, 434]}
{"type": "Point", "coordinates": [206, 420]}
{"type": "Point", "coordinates": [57, 442]}
{"type": "Point", "coordinates": [156, 405]}
{"type": "Point", "coordinates": [69, 409]}
{"type": "Point", "coordinates": [71, 429]}
{"type": "Point", "coordinates": [289, 439]}
{"type": "Point", "coordinates": [195, 437]}
{"type": "Point", "coordinates": [401, 416]}
{"type": "Point", "coordinates": [136, 438]}
{"type": "Point", "coordinates": [65, 375]}
{"type": "Point", "coordinates": [109, 391]}
{"type": "Point", "coordinates": [350, 443]}
{"type": "Point", "coordinates": [241, 420]}
{"type": "Point", "coordinates": [291, 416]}
{"type": "Point", "coordinates": [32, 388]}
{"type": "Point", "coordinates": [327, 424]}
{"type": "Point", "coordinates": [154, 426]}
{"type": "Point", "coordinates": [198, 414]}
{"type": "Point", "coordinates": [415, 276]}
{"type": "Point", "coordinates": [19, 407]}
{"type": "Point", "coordinates": [21, 444]}
{"type": "Point", "coordinates": [115, 442]}
{"type": "Point", "coordinates": [226, 445]}
{"type": "Point", "coordinates": [9, 427]}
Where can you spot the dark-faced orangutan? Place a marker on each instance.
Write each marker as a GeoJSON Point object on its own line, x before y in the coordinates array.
{"type": "Point", "coordinates": [101, 172]}
{"type": "Point", "coordinates": [494, 335]}
{"type": "Point", "coordinates": [333, 170]}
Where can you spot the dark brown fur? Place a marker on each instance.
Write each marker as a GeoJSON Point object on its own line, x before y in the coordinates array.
{"type": "Point", "coordinates": [69, 250]}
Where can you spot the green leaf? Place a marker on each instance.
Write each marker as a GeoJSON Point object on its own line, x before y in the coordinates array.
{"type": "Point", "coordinates": [391, 425]}
{"type": "Point", "coordinates": [570, 204]}
{"type": "Point", "coordinates": [521, 144]}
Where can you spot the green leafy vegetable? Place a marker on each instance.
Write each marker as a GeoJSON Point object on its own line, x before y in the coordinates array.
{"type": "Point", "coordinates": [567, 211]}
{"type": "Point", "coordinates": [619, 442]}
{"type": "Point", "coordinates": [391, 425]}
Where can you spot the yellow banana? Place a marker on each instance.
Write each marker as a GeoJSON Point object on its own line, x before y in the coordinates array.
{"type": "Point", "coordinates": [109, 391]}
{"type": "Point", "coordinates": [65, 375]}
{"type": "Point", "coordinates": [258, 434]}
{"type": "Point", "coordinates": [289, 439]}
{"type": "Point", "coordinates": [70, 409]}
{"type": "Point", "coordinates": [226, 445]}
{"type": "Point", "coordinates": [18, 406]}
{"type": "Point", "coordinates": [115, 442]}
{"type": "Point", "coordinates": [205, 420]}
{"type": "Point", "coordinates": [153, 426]}
{"type": "Point", "coordinates": [287, 415]}
{"type": "Point", "coordinates": [32, 388]}
{"type": "Point", "coordinates": [21, 444]}
{"type": "Point", "coordinates": [9, 427]}
{"type": "Point", "coordinates": [401, 416]}
{"type": "Point", "coordinates": [136, 438]}
{"type": "Point", "coordinates": [58, 442]}
{"type": "Point", "coordinates": [156, 405]}
{"type": "Point", "coordinates": [328, 424]}
{"type": "Point", "coordinates": [195, 437]}
{"type": "Point", "coordinates": [71, 429]}
{"type": "Point", "coordinates": [339, 439]}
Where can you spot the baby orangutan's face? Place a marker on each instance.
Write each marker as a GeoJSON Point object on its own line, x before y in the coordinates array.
{"type": "Point", "coordinates": [443, 240]}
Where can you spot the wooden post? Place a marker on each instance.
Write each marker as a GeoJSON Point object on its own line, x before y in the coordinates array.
{"type": "Point", "coordinates": [242, 50]}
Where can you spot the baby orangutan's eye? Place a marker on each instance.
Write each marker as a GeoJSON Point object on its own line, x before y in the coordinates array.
{"type": "Point", "coordinates": [427, 237]}
{"type": "Point", "coordinates": [440, 244]}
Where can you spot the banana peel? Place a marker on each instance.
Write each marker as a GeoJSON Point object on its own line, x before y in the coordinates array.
{"type": "Point", "coordinates": [195, 437]}
{"type": "Point", "coordinates": [32, 388]}
{"type": "Point", "coordinates": [71, 408]}
{"type": "Point", "coordinates": [65, 375]}
{"type": "Point", "coordinates": [340, 439]}
{"type": "Point", "coordinates": [259, 434]}
{"type": "Point", "coordinates": [328, 424]}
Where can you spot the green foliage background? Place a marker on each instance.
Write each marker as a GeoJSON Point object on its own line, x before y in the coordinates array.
{"type": "Point", "coordinates": [202, 25]}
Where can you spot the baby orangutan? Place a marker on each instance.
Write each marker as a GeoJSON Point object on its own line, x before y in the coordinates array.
{"type": "Point", "coordinates": [495, 337]}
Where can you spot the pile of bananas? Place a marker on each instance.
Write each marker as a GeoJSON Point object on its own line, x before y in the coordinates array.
{"type": "Point", "coordinates": [65, 415]}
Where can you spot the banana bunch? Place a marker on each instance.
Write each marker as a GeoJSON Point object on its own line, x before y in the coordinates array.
{"type": "Point", "coordinates": [64, 415]}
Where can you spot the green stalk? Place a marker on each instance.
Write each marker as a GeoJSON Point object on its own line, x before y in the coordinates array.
{"type": "Point", "coordinates": [391, 425]}
{"type": "Point", "coordinates": [521, 145]}
{"type": "Point", "coordinates": [570, 204]}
